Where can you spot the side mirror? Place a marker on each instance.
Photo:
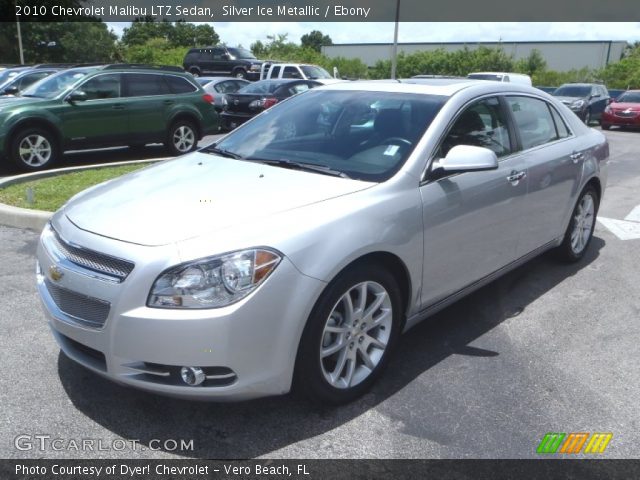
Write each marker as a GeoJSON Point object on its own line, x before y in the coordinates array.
{"type": "Point", "coordinates": [76, 96]}
{"type": "Point", "coordinates": [225, 56]}
{"type": "Point", "coordinates": [13, 90]}
{"type": "Point", "coordinates": [611, 100]}
{"type": "Point", "coordinates": [467, 158]}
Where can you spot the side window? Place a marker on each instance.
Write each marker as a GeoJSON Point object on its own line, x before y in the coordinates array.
{"type": "Point", "coordinates": [275, 72]}
{"type": "Point", "coordinates": [481, 124]}
{"type": "Point", "coordinates": [299, 88]}
{"type": "Point", "coordinates": [290, 72]}
{"type": "Point", "coordinates": [102, 87]}
{"type": "Point", "coordinates": [561, 127]}
{"type": "Point", "coordinates": [27, 80]}
{"type": "Point", "coordinates": [533, 120]}
{"type": "Point", "coordinates": [225, 87]}
{"type": "Point", "coordinates": [217, 53]}
{"type": "Point", "coordinates": [179, 84]}
{"type": "Point", "coordinates": [144, 85]}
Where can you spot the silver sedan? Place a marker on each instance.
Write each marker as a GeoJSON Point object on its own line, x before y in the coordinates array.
{"type": "Point", "coordinates": [295, 251]}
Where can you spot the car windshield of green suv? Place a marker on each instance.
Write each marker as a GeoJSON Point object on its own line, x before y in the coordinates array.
{"type": "Point", "coordinates": [573, 91]}
{"type": "Point", "coordinates": [241, 53]}
{"type": "Point", "coordinates": [56, 84]}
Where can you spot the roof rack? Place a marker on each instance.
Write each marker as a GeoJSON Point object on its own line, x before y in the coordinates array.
{"type": "Point", "coordinates": [142, 66]}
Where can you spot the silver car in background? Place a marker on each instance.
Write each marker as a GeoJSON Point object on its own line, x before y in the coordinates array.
{"type": "Point", "coordinates": [295, 250]}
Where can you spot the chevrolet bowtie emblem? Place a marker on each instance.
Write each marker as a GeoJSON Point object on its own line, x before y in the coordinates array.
{"type": "Point", "coordinates": [55, 273]}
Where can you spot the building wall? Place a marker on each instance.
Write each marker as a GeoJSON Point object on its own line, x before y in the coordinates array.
{"type": "Point", "coordinates": [560, 56]}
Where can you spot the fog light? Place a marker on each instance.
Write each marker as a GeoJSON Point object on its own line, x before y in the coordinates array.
{"type": "Point", "coordinates": [192, 375]}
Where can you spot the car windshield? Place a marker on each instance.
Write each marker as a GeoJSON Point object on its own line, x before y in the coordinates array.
{"type": "Point", "coordinates": [54, 85]}
{"type": "Point", "coordinates": [361, 134]}
{"type": "Point", "coordinates": [573, 91]}
{"type": "Point", "coordinates": [313, 72]}
{"type": "Point", "coordinates": [260, 87]}
{"type": "Point", "coordinates": [241, 53]}
{"type": "Point", "coordinates": [629, 97]}
{"type": "Point", "coordinates": [8, 75]}
{"type": "Point", "coordinates": [485, 76]}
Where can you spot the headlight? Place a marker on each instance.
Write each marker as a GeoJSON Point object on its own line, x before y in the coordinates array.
{"type": "Point", "coordinates": [255, 67]}
{"type": "Point", "coordinates": [213, 282]}
{"type": "Point", "coordinates": [577, 104]}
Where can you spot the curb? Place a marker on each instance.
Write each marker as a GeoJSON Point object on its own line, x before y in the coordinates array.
{"type": "Point", "coordinates": [17, 217]}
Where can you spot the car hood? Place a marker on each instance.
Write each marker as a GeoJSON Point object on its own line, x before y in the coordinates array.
{"type": "Point", "coordinates": [569, 99]}
{"type": "Point", "coordinates": [197, 194]}
{"type": "Point", "coordinates": [634, 107]}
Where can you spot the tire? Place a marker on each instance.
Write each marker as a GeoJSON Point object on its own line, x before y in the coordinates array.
{"type": "Point", "coordinates": [580, 230]}
{"type": "Point", "coordinates": [240, 73]}
{"type": "Point", "coordinates": [182, 137]}
{"type": "Point", "coordinates": [195, 72]}
{"type": "Point", "coordinates": [587, 117]}
{"type": "Point", "coordinates": [34, 149]}
{"type": "Point", "coordinates": [605, 126]}
{"type": "Point", "coordinates": [331, 366]}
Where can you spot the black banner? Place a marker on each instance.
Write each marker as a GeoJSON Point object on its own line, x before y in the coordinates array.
{"type": "Point", "coordinates": [320, 10]}
{"type": "Point", "coordinates": [318, 469]}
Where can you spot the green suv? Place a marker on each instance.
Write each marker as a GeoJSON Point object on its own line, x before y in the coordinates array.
{"type": "Point", "coordinates": [104, 106]}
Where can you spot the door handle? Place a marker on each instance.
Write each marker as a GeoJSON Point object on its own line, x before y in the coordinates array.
{"type": "Point", "coordinates": [576, 156]}
{"type": "Point", "coordinates": [516, 176]}
{"type": "Point", "coordinates": [118, 106]}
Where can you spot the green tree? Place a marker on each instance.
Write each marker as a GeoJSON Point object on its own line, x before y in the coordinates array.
{"type": "Point", "coordinates": [315, 40]}
{"type": "Point", "coordinates": [144, 29]}
{"type": "Point", "coordinates": [186, 34]}
{"type": "Point", "coordinates": [532, 64]}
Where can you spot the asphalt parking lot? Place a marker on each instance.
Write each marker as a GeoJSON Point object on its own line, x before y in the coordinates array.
{"type": "Point", "coordinates": [547, 348]}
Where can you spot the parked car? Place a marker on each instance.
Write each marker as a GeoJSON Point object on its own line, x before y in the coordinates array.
{"type": "Point", "coordinates": [222, 61]}
{"type": "Point", "coordinates": [217, 87]}
{"type": "Point", "coordinates": [275, 257]}
{"type": "Point", "coordinates": [502, 77]}
{"type": "Point", "coordinates": [586, 100]}
{"type": "Point", "coordinates": [254, 98]}
{"type": "Point", "coordinates": [24, 79]}
{"type": "Point", "coordinates": [101, 106]}
{"type": "Point", "coordinates": [624, 111]}
{"type": "Point", "coordinates": [274, 71]}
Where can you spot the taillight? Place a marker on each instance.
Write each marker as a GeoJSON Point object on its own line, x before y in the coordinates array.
{"type": "Point", "coordinates": [208, 98]}
{"type": "Point", "coordinates": [269, 102]}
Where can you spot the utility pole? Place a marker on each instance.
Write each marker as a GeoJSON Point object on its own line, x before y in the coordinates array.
{"type": "Point", "coordinates": [20, 41]}
{"type": "Point", "coordinates": [394, 52]}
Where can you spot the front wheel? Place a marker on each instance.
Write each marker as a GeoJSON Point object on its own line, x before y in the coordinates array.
{"type": "Point", "coordinates": [33, 149]}
{"type": "Point", "coordinates": [587, 118]}
{"type": "Point", "coordinates": [349, 335]}
{"type": "Point", "coordinates": [580, 229]}
{"type": "Point", "coordinates": [240, 73]}
{"type": "Point", "coordinates": [182, 138]}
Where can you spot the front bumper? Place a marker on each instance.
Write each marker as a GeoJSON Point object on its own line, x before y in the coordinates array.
{"type": "Point", "coordinates": [247, 349]}
{"type": "Point", "coordinates": [621, 119]}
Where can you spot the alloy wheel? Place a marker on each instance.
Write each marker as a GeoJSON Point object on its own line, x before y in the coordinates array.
{"type": "Point", "coordinates": [583, 224]}
{"type": "Point", "coordinates": [356, 335]}
{"type": "Point", "coordinates": [184, 138]}
{"type": "Point", "coordinates": [35, 150]}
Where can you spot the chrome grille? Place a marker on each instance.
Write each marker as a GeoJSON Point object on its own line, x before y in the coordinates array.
{"type": "Point", "coordinates": [623, 114]}
{"type": "Point", "coordinates": [92, 260]}
{"type": "Point", "coordinates": [87, 311]}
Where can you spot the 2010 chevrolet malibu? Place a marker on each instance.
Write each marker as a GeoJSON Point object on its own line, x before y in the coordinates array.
{"type": "Point", "coordinates": [295, 250]}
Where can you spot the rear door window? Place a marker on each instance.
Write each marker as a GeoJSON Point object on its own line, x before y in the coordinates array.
{"type": "Point", "coordinates": [179, 84]}
{"type": "Point", "coordinates": [533, 120]}
{"type": "Point", "coordinates": [145, 85]}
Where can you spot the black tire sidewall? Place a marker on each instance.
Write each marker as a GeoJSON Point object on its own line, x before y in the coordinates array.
{"type": "Point", "coordinates": [240, 73]}
{"type": "Point", "coordinates": [309, 378]}
{"type": "Point", "coordinates": [15, 145]}
{"type": "Point", "coordinates": [565, 252]}
{"type": "Point", "coordinates": [174, 126]}
{"type": "Point", "coordinates": [195, 72]}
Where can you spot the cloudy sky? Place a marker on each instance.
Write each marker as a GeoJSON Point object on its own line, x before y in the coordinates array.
{"type": "Point", "coordinates": [246, 33]}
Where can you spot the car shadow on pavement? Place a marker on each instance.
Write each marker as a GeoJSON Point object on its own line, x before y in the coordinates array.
{"type": "Point", "coordinates": [255, 428]}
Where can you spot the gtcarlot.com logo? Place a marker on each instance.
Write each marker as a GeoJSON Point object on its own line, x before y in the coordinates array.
{"type": "Point", "coordinates": [44, 443]}
{"type": "Point", "coordinates": [572, 443]}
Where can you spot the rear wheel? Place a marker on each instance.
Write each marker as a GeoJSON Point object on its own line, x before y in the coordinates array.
{"type": "Point", "coordinates": [33, 149]}
{"type": "Point", "coordinates": [587, 117]}
{"type": "Point", "coordinates": [182, 137]}
{"type": "Point", "coordinates": [580, 229]}
{"type": "Point", "coordinates": [195, 72]}
{"type": "Point", "coordinates": [605, 126]}
{"type": "Point", "coordinates": [349, 335]}
{"type": "Point", "coordinates": [240, 73]}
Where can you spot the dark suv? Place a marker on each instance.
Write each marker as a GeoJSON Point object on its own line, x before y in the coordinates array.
{"type": "Point", "coordinates": [222, 61]}
{"type": "Point", "coordinates": [103, 106]}
{"type": "Point", "coordinates": [587, 100]}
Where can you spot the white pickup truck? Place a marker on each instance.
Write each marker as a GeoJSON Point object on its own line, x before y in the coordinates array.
{"type": "Point", "coordinates": [303, 71]}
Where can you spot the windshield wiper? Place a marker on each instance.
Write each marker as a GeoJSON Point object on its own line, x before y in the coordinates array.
{"type": "Point", "coordinates": [222, 152]}
{"type": "Point", "coordinates": [310, 167]}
